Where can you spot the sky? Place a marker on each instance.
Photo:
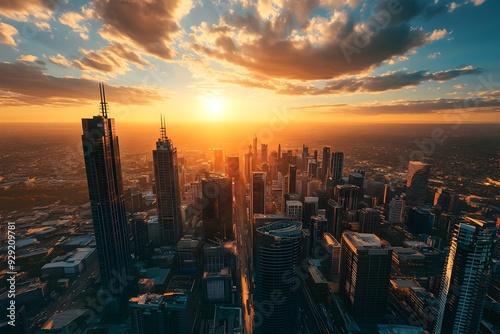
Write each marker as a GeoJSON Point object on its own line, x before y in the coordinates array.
{"type": "Point", "coordinates": [317, 61]}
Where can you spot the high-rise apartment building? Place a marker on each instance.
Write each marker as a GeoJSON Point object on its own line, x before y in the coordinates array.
{"type": "Point", "coordinates": [168, 196]}
{"type": "Point", "coordinates": [417, 180]}
{"type": "Point", "coordinates": [365, 268]}
{"type": "Point", "coordinates": [465, 277]}
{"type": "Point", "coordinates": [278, 250]}
{"type": "Point", "coordinates": [107, 201]}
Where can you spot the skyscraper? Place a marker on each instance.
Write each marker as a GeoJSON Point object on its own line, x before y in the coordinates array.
{"type": "Point", "coordinates": [292, 179]}
{"type": "Point", "coordinates": [347, 196]}
{"type": "Point", "coordinates": [334, 218]}
{"type": "Point", "coordinates": [416, 183]}
{"type": "Point", "coordinates": [257, 193]}
{"type": "Point", "coordinates": [365, 268]}
{"type": "Point", "coordinates": [233, 166]}
{"type": "Point", "coordinates": [168, 196]}
{"type": "Point", "coordinates": [218, 160]}
{"type": "Point", "coordinates": [465, 277]}
{"type": "Point", "coordinates": [325, 165]}
{"type": "Point", "coordinates": [369, 221]}
{"type": "Point", "coordinates": [107, 201]}
{"type": "Point", "coordinates": [263, 153]}
{"type": "Point", "coordinates": [278, 250]}
{"type": "Point", "coordinates": [337, 165]}
{"type": "Point", "coordinates": [217, 213]}
{"type": "Point", "coordinates": [396, 211]}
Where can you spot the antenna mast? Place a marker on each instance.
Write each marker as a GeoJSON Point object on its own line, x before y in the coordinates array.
{"type": "Point", "coordinates": [163, 128]}
{"type": "Point", "coordinates": [104, 104]}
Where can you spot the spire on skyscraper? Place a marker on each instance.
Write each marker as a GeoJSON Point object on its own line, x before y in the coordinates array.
{"type": "Point", "coordinates": [163, 128]}
{"type": "Point", "coordinates": [104, 104]}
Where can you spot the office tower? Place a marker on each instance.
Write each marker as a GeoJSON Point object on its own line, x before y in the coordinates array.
{"type": "Point", "coordinates": [233, 166]}
{"type": "Point", "coordinates": [293, 210]}
{"type": "Point", "coordinates": [447, 200]}
{"type": "Point", "coordinates": [315, 155]}
{"type": "Point", "coordinates": [334, 217]}
{"type": "Point", "coordinates": [420, 220]}
{"type": "Point", "coordinates": [218, 160]}
{"type": "Point", "coordinates": [248, 164]}
{"type": "Point", "coordinates": [292, 179]}
{"type": "Point", "coordinates": [365, 268]}
{"type": "Point", "coordinates": [217, 212]}
{"type": "Point", "coordinates": [310, 209]}
{"type": "Point", "coordinates": [369, 221]}
{"type": "Point", "coordinates": [168, 196]}
{"type": "Point", "coordinates": [171, 312]}
{"type": "Point", "coordinates": [396, 211]}
{"type": "Point", "coordinates": [254, 146]}
{"type": "Point", "coordinates": [312, 168]}
{"type": "Point", "coordinates": [331, 258]}
{"type": "Point", "coordinates": [104, 177]}
{"type": "Point", "coordinates": [347, 196]}
{"type": "Point", "coordinates": [263, 153]}
{"type": "Point", "coordinates": [375, 190]}
{"type": "Point", "coordinates": [337, 165]}
{"type": "Point", "coordinates": [416, 183]}
{"type": "Point", "coordinates": [279, 152]}
{"type": "Point", "coordinates": [139, 226]}
{"type": "Point", "coordinates": [465, 277]}
{"type": "Point", "coordinates": [325, 164]}
{"type": "Point", "coordinates": [305, 152]}
{"type": "Point", "coordinates": [357, 179]}
{"type": "Point", "coordinates": [257, 194]}
{"type": "Point", "coordinates": [190, 256]}
{"type": "Point", "coordinates": [278, 250]}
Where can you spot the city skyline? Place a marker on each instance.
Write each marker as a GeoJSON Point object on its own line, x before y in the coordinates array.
{"type": "Point", "coordinates": [389, 61]}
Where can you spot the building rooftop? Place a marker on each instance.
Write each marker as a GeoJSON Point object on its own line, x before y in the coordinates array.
{"type": "Point", "coordinates": [283, 229]}
{"type": "Point", "coordinates": [316, 275]}
{"type": "Point", "coordinates": [159, 275]}
{"type": "Point", "coordinates": [399, 329]}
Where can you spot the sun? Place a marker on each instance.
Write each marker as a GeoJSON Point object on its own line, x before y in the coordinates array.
{"type": "Point", "coordinates": [213, 106]}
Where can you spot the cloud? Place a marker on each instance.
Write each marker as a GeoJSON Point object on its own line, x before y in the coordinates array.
{"type": "Point", "coordinates": [440, 105]}
{"type": "Point", "coordinates": [28, 58]}
{"type": "Point", "coordinates": [289, 40]}
{"type": "Point", "coordinates": [477, 2]}
{"type": "Point", "coordinates": [60, 60]}
{"type": "Point", "coordinates": [355, 84]}
{"type": "Point", "coordinates": [6, 33]}
{"type": "Point", "coordinates": [74, 21]}
{"type": "Point", "coordinates": [22, 10]}
{"type": "Point", "coordinates": [112, 59]}
{"type": "Point", "coordinates": [437, 34]}
{"type": "Point", "coordinates": [434, 55]}
{"type": "Point", "coordinates": [27, 84]}
{"type": "Point", "coordinates": [150, 25]}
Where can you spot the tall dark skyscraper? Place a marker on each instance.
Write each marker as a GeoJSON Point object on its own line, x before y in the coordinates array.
{"type": "Point", "coordinates": [292, 179]}
{"type": "Point", "coordinates": [257, 193]}
{"type": "Point", "coordinates": [217, 213]}
{"type": "Point", "coordinates": [465, 277]}
{"type": "Point", "coordinates": [168, 196]}
{"type": "Point", "coordinates": [334, 217]}
{"type": "Point", "coordinates": [263, 153]}
{"type": "Point", "coordinates": [337, 166]}
{"type": "Point", "coordinates": [278, 250]}
{"type": "Point", "coordinates": [365, 269]}
{"type": "Point", "coordinates": [416, 183]}
{"type": "Point", "coordinates": [325, 164]}
{"type": "Point", "coordinates": [107, 201]}
{"type": "Point", "coordinates": [347, 196]}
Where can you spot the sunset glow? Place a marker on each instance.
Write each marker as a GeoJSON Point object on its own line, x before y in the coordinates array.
{"type": "Point", "coordinates": [327, 62]}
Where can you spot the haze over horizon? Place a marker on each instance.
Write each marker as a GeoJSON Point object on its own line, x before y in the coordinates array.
{"type": "Point", "coordinates": [390, 61]}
